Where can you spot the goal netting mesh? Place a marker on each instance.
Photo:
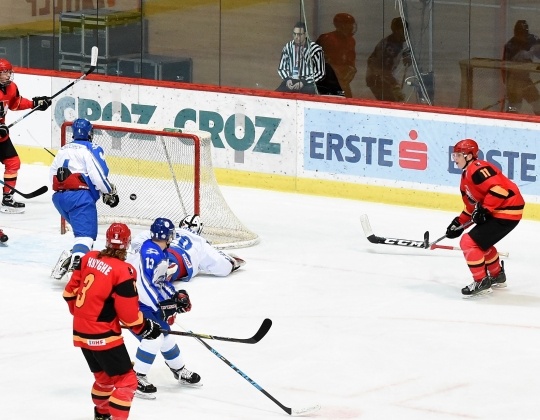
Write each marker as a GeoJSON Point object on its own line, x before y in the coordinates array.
{"type": "Point", "coordinates": [165, 173]}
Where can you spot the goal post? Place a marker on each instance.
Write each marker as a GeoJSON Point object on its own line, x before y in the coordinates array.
{"type": "Point", "coordinates": [161, 172]}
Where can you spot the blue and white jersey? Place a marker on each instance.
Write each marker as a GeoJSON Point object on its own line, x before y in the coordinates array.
{"type": "Point", "coordinates": [85, 158]}
{"type": "Point", "coordinates": [193, 252]}
{"type": "Point", "coordinates": [151, 263]}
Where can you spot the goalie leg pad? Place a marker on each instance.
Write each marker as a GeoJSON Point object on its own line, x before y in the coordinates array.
{"type": "Point", "coordinates": [62, 265]}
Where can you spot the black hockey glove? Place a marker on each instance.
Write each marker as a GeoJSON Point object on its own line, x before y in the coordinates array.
{"type": "Point", "coordinates": [111, 200]}
{"type": "Point", "coordinates": [183, 303]}
{"type": "Point", "coordinates": [41, 103]}
{"type": "Point", "coordinates": [454, 230]}
{"type": "Point", "coordinates": [151, 330]}
{"type": "Point", "coordinates": [480, 214]}
{"type": "Point", "coordinates": [4, 130]}
{"type": "Point", "coordinates": [168, 310]}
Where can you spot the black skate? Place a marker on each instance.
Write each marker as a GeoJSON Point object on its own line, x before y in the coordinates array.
{"type": "Point", "coordinates": [3, 236]}
{"type": "Point", "coordinates": [98, 416]}
{"type": "Point", "coordinates": [145, 389]}
{"type": "Point", "coordinates": [11, 206]}
{"type": "Point", "coordinates": [477, 288]}
{"type": "Point", "coordinates": [499, 281]}
{"type": "Point", "coordinates": [186, 377]}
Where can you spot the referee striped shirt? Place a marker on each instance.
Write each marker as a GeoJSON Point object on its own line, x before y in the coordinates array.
{"type": "Point", "coordinates": [309, 59]}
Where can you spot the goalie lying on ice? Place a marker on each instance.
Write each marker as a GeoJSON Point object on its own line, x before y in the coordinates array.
{"type": "Point", "coordinates": [191, 254]}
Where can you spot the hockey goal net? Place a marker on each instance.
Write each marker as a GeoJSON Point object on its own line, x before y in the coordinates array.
{"type": "Point", "coordinates": [164, 173]}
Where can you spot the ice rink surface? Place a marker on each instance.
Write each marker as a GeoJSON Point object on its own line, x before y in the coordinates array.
{"type": "Point", "coordinates": [372, 332]}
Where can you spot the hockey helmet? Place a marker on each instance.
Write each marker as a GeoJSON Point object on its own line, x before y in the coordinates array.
{"type": "Point", "coordinates": [467, 146]}
{"type": "Point", "coordinates": [7, 69]}
{"type": "Point", "coordinates": [521, 28]}
{"type": "Point", "coordinates": [82, 129]}
{"type": "Point", "coordinates": [118, 236]}
{"type": "Point", "coordinates": [345, 23]}
{"type": "Point", "coordinates": [192, 223]}
{"type": "Point", "coordinates": [162, 229]}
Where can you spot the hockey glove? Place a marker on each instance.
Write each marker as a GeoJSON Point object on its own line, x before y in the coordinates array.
{"type": "Point", "coordinates": [111, 199]}
{"type": "Point", "coordinates": [151, 330]}
{"type": "Point", "coordinates": [480, 214]}
{"type": "Point", "coordinates": [41, 103]}
{"type": "Point", "coordinates": [4, 130]}
{"type": "Point", "coordinates": [183, 303]}
{"type": "Point", "coordinates": [454, 229]}
{"type": "Point", "coordinates": [168, 309]}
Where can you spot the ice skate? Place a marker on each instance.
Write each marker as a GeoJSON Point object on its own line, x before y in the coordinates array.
{"type": "Point", "coordinates": [477, 288]}
{"type": "Point", "coordinates": [3, 237]}
{"type": "Point", "coordinates": [499, 281]}
{"type": "Point", "coordinates": [145, 389]}
{"type": "Point", "coordinates": [186, 377]}
{"type": "Point", "coordinates": [98, 416]}
{"type": "Point", "coordinates": [11, 206]}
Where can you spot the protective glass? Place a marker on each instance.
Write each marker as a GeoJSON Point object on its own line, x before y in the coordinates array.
{"type": "Point", "coordinates": [457, 155]}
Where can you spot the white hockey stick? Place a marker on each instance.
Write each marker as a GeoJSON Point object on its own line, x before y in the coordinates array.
{"type": "Point", "coordinates": [93, 63]}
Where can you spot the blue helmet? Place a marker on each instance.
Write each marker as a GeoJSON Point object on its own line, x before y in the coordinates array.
{"type": "Point", "coordinates": [162, 229]}
{"type": "Point", "coordinates": [82, 129]}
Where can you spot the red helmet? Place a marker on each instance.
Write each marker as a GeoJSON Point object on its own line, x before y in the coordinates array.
{"type": "Point", "coordinates": [467, 146]}
{"type": "Point", "coordinates": [345, 22]}
{"type": "Point", "coordinates": [6, 67]}
{"type": "Point", "coordinates": [118, 236]}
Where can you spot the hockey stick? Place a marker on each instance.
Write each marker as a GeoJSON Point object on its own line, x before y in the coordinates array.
{"type": "Point", "coordinates": [457, 248]}
{"type": "Point", "coordinates": [93, 63]}
{"type": "Point", "coordinates": [263, 329]}
{"type": "Point", "coordinates": [39, 191]}
{"type": "Point", "coordinates": [371, 237]}
{"type": "Point", "coordinates": [463, 226]}
{"type": "Point", "coordinates": [288, 410]}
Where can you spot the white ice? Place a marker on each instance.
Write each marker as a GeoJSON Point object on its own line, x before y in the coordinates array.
{"type": "Point", "coordinates": [372, 332]}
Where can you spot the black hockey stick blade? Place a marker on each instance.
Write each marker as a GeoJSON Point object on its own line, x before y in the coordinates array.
{"type": "Point", "coordinates": [263, 329]}
{"type": "Point", "coordinates": [374, 239]}
{"type": "Point", "coordinates": [39, 191]}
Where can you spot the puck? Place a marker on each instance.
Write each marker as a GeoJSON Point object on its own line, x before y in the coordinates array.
{"type": "Point", "coordinates": [133, 197]}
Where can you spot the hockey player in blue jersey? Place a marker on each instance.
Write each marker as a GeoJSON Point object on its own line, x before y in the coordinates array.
{"type": "Point", "coordinates": [159, 301]}
{"type": "Point", "coordinates": [79, 177]}
{"type": "Point", "coordinates": [191, 254]}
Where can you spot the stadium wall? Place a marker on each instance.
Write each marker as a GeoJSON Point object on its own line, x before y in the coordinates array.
{"type": "Point", "coordinates": [330, 146]}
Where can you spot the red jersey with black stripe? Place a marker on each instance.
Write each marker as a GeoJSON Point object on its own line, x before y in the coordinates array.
{"type": "Point", "coordinates": [10, 98]}
{"type": "Point", "coordinates": [100, 295]}
{"type": "Point", "coordinates": [482, 182]}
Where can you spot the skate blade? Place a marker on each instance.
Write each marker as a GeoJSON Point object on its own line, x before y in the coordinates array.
{"type": "Point", "coordinates": [11, 210]}
{"type": "Point", "coordinates": [479, 294]}
{"type": "Point", "coordinates": [145, 396]}
{"type": "Point", "coordinates": [498, 285]}
{"type": "Point", "coordinates": [190, 385]}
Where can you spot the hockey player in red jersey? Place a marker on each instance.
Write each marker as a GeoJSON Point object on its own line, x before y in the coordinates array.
{"type": "Point", "coordinates": [494, 203]}
{"type": "Point", "coordinates": [11, 99]}
{"type": "Point", "coordinates": [101, 296]}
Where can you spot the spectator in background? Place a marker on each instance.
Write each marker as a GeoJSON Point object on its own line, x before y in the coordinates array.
{"type": "Point", "coordinates": [522, 47]}
{"type": "Point", "coordinates": [339, 49]}
{"type": "Point", "coordinates": [301, 64]}
{"type": "Point", "coordinates": [383, 62]}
